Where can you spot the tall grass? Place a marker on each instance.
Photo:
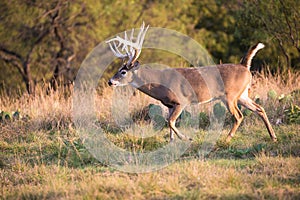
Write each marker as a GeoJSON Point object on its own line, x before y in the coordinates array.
{"type": "Point", "coordinates": [42, 156]}
{"type": "Point", "coordinates": [56, 106]}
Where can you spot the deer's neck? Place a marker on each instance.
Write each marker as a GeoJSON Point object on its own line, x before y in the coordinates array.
{"type": "Point", "coordinates": [149, 82]}
{"type": "Point", "coordinates": [145, 76]}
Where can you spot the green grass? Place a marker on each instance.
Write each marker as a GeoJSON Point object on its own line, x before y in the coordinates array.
{"type": "Point", "coordinates": [53, 164]}
{"type": "Point", "coordinates": [43, 157]}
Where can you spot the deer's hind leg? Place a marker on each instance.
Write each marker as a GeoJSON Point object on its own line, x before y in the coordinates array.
{"type": "Point", "coordinates": [238, 117]}
{"type": "Point", "coordinates": [251, 105]}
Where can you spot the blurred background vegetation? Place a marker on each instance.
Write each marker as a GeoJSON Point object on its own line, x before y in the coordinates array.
{"type": "Point", "coordinates": [43, 43]}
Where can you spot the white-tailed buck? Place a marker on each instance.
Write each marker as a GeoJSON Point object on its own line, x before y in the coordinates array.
{"type": "Point", "coordinates": [178, 87]}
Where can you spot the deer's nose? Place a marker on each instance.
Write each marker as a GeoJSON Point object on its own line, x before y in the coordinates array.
{"type": "Point", "coordinates": [109, 83]}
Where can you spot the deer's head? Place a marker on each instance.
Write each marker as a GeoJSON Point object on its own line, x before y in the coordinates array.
{"type": "Point", "coordinates": [129, 53]}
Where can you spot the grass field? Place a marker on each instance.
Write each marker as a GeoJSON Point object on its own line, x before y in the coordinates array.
{"type": "Point", "coordinates": [42, 156]}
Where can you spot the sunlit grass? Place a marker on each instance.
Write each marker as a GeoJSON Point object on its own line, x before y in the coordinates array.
{"type": "Point", "coordinates": [43, 157]}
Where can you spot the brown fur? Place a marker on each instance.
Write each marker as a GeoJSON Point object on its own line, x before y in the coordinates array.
{"type": "Point", "coordinates": [178, 87]}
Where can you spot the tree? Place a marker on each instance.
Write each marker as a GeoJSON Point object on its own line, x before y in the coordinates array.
{"type": "Point", "coordinates": [278, 20]}
{"type": "Point", "coordinates": [21, 60]}
{"type": "Point", "coordinates": [44, 42]}
{"type": "Point", "coordinates": [40, 39]}
{"type": "Point", "coordinates": [214, 28]}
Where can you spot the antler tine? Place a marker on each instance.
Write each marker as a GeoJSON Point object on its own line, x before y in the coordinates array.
{"type": "Point", "coordinates": [140, 41]}
{"type": "Point", "coordinates": [125, 41]}
{"type": "Point", "coordinates": [116, 51]}
{"type": "Point", "coordinates": [141, 35]}
{"type": "Point", "coordinates": [115, 47]}
{"type": "Point", "coordinates": [132, 49]}
{"type": "Point", "coordinates": [131, 36]}
{"type": "Point", "coordinates": [112, 49]}
{"type": "Point", "coordinates": [141, 30]}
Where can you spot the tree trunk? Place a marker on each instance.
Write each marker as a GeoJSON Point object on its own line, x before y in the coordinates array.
{"type": "Point", "coordinates": [30, 86]}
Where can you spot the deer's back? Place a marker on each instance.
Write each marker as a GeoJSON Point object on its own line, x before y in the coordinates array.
{"type": "Point", "coordinates": [216, 81]}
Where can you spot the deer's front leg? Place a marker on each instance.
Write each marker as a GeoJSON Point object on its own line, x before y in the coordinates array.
{"type": "Point", "coordinates": [174, 113]}
{"type": "Point", "coordinates": [171, 130]}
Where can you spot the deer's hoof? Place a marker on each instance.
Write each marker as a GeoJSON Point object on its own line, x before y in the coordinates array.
{"type": "Point", "coordinates": [228, 139]}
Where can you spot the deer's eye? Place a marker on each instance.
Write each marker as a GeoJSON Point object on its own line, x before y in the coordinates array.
{"type": "Point", "coordinates": [123, 72]}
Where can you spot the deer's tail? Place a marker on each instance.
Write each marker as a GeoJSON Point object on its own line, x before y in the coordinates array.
{"type": "Point", "coordinates": [247, 59]}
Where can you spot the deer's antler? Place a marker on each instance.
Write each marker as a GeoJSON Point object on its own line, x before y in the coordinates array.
{"type": "Point", "coordinates": [129, 49]}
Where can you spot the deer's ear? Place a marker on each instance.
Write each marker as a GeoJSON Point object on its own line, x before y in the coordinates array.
{"type": "Point", "coordinates": [135, 65]}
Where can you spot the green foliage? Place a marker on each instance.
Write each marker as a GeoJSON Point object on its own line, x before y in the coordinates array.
{"type": "Point", "coordinates": [9, 116]}
{"type": "Point", "coordinates": [159, 122]}
{"type": "Point", "coordinates": [285, 98]}
{"type": "Point", "coordinates": [276, 23]}
{"type": "Point", "coordinates": [247, 112]}
{"type": "Point", "coordinates": [154, 110]}
{"type": "Point", "coordinates": [156, 115]}
{"type": "Point", "coordinates": [5, 116]}
{"type": "Point", "coordinates": [203, 120]}
{"type": "Point", "coordinates": [214, 28]}
{"type": "Point", "coordinates": [42, 40]}
{"type": "Point", "coordinates": [219, 111]}
{"type": "Point", "coordinates": [293, 114]}
{"type": "Point", "coordinates": [247, 152]}
{"type": "Point", "coordinates": [272, 94]}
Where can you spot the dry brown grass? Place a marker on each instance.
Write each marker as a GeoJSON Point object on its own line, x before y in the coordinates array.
{"type": "Point", "coordinates": [282, 84]}
{"type": "Point", "coordinates": [42, 156]}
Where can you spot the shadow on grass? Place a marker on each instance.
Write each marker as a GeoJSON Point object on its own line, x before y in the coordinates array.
{"type": "Point", "coordinates": [56, 142]}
